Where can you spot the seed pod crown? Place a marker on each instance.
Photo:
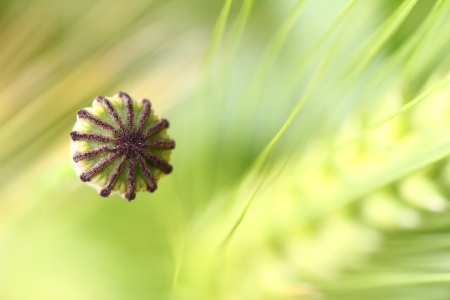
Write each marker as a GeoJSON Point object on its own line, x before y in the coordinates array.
{"type": "Point", "coordinates": [120, 146]}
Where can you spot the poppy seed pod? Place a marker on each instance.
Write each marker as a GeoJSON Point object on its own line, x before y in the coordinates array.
{"type": "Point", "coordinates": [120, 146]}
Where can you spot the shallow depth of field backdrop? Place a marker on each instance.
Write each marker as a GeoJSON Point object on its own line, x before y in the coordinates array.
{"type": "Point", "coordinates": [311, 160]}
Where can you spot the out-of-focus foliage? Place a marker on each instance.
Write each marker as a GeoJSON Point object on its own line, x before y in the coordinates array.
{"type": "Point", "coordinates": [311, 160]}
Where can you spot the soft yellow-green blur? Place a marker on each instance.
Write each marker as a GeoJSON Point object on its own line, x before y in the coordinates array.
{"type": "Point", "coordinates": [311, 160]}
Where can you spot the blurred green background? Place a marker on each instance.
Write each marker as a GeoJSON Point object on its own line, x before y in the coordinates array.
{"type": "Point", "coordinates": [311, 160]}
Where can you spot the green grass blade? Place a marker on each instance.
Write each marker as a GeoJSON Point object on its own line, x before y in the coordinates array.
{"type": "Point", "coordinates": [300, 67]}
{"type": "Point", "coordinates": [391, 280]}
{"type": "Point", "coordinates": [279, 38]}
{"type": "Point", "coordinates": [418, 37]}
{"type": "Point", "coordinates": [399, 169]}
{"type": "Point", "coordinates": [237, 30]}
{"type": "Point", "coordinates": [423, 96]}
{"type": "Point", "coordinates": [407, 51]}
{"type": "Point", "coordinates": [270, 54]}
{"type": "Point", "coordinates": [373, 45]}
{"type": "Point", "coordinates": [263, 156]}
{"type": "Point", "coordinates": [217, 36]}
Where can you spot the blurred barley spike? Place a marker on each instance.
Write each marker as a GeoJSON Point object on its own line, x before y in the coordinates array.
{"type": "Point", "coordinates": [102, 151]}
